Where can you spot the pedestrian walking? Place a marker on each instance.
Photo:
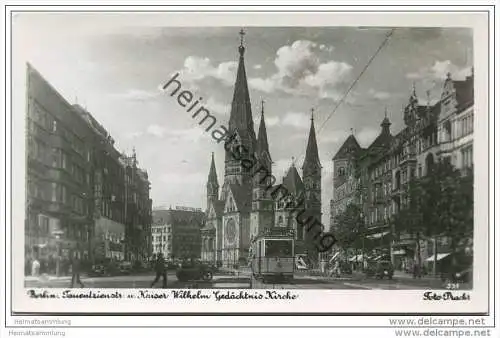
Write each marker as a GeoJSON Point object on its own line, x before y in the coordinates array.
{"type": "Point", "coordinates": [75, 270]}
{"type": "Point", "coordinates": [35, 268]}
{"type": "Point", "coordinates": [160, 270]}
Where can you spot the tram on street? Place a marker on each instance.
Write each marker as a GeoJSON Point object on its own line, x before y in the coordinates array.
{"type": "Point", "coordinates": [273, 257]}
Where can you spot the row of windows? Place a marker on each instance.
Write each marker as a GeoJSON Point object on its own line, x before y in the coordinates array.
{"type": "Point", "coordinates": [161, 238]}
{"type": "Point", "coordinates": [76, 232]}
{"type": "Point", "coordinates": [50, 124]}
{"type": "Point", "coordinates": [161, 230]}
{"type": "Point", "coordinates": [467, 157]}
{"type": "Point", "coordinates": [37, 149]}
{"type": "Point", "coordinates": [384, 215]}
{"type": "Point", "coordinates": [60, 195]}
{"type": "Point", "coordinates": [162, 247]}
{"type": "Point", "coordinates": [382, 191]}
{"type": "Point", "coordinates": [414, 144]}
{"type": "Point", "coordinates": [113, 237]}
{"type": "Point", "coordinates": [454, 129]}
{"type": "Point", "coordinates": [465, 125]}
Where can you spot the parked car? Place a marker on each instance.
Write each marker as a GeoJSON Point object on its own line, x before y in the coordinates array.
{"type": "Point", "coordinates": [384, 269]}
{"type": "Point", "coordinates": [194, 270]}
{"type": "Point", "coordinates": [125, 268]}
{"type": "Point", "coordinates": [458, 275]}
{"type": "Point", "coordinates": [97, 270]}
{"type": "Point", "coordinates": [171, 265]}
{"type": "Point", "coordinates": [345, 268]}
{"type": "Point", "coordinates": [102, 269]}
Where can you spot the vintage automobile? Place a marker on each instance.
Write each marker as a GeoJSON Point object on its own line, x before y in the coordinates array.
{"type": "Point", "coordinates": [171, 265]}
{"type": "Point", "coordinates": [194, 270]}
{"type": "Point", "coordinates": [102, 269]}
{"type": "Point", "coordinates": [125, 268]}
{"type": "Point", "coordinates": [97, 270]}
{"type": "Point", "coordinates": [384, 269]}
{"type": "Point", "coordinates": [379, 269]}
{"type": "Point", "coordinates": [344, 268]}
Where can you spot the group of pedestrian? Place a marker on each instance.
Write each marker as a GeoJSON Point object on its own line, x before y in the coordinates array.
{"type": "Point", "coordinates": [76, 268]}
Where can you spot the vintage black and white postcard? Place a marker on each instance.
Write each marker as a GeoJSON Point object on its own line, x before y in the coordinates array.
{"type": "Point", "coordinates": [250, 163]}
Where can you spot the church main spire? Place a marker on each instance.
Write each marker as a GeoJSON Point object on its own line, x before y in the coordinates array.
{"type": "Point", "coordinates": [312, 156]}
{"type": "Point", "coordinates": [240, 119]}
{"type": "Point", "coordinates": [242, 47]}
{"type": "Point", "coordinates": [241, 131]}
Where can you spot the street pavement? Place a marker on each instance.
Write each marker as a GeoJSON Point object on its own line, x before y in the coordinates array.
{"type": "Point", "coordinates": [238, 280]}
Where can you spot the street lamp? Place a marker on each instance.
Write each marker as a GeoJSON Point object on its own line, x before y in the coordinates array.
{"type": "Point", "coordinates": [362, 215]}
{"type": "Point", "coordinates": [57, 234]}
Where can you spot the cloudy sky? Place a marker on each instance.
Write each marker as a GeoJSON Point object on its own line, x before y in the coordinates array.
{"type": "Point", "coordinates": [116, 72]}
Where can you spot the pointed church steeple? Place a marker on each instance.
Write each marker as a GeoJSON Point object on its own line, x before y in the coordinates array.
{"type": "Point", "coordinates": [241, 130]}
{"type": "Point", "coordinates": [240, 119]}
{"type": "Point", "coordinates": [311, 176]}
{"type": "Point", "coordinates": [312, 155]}
{"type": "Point", "coordinates": [212, 184]}
{"type": "Point", "coordinates": [212, 175]}
{"type": "Point", "coordinates": [262, 144]}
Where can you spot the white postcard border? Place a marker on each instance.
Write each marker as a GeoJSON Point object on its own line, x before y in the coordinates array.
{"type": "Point", "coordinates": [372, 301]}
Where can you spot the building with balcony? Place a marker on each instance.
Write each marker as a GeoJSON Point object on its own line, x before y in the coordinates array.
{"type": "Point", "coordinates": [137, 208]}
{"type": "Point", "coordinates": [59, 176]}
{"type": "Point", "coordinates": [383, 170]}
{"type": "Point", "coordinates": [76, 191]}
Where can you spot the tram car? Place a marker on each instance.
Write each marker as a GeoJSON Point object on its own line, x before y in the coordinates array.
{"type": "Point", "coordinates": [273, 257]}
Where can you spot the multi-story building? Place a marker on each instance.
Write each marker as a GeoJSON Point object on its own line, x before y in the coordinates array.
{"type": "Point", "coordinates": [384, 169]}
{"type": "Point", "coordinates": [76, 183]}
{"type": "Point", "coordinates": [59, 173]}
{"type": "Point", "coordinates": [137, 208]}
{"type": "Point", "coordinates": [108, 191]}
{"type": "Point", "coordinates": [177, 232]}
{"type": "Point", "coordinates": [161, 238]}
{"type": "Point", "coordinates": [456, 122]}
{"type": "Point", "coordinates": [345, 179]}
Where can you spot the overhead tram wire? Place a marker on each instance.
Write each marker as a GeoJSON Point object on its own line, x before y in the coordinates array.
{"type": "Point", "coordinates": [382, 45]}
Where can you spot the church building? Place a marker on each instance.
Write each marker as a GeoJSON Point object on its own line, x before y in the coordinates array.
{"type": "Point", "coordinates": [245, 204]}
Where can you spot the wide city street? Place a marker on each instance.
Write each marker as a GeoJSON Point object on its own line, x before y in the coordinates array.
{"type": "Point", "coordinates": [241, 280]}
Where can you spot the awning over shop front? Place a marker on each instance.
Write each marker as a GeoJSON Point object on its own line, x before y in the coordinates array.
{"type": "Point", "coordinates": [336, 255]}
{"type": "Point", "coordinates": [356, 258]}
{"type": "Point", "coordinates": [439, 257]}
{"type": "Point", "coordinates": [378, 235]}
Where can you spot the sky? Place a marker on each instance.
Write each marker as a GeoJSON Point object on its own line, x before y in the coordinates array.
{"type": "Point", "coordinates": [117, 71]}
